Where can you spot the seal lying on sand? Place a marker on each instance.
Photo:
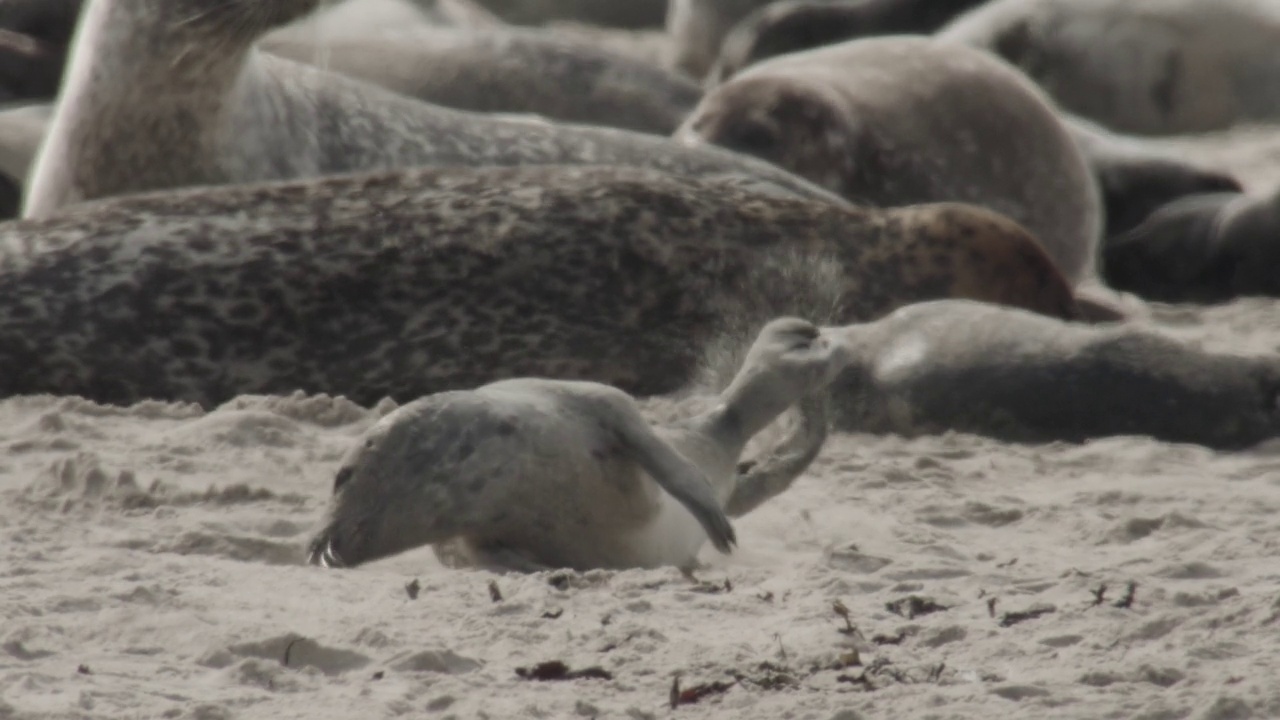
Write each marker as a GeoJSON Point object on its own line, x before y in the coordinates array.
{"type": "Point", "coordinates": [1012, 375]}
{"type": "Point", "coordinates": [537, 474]}
{"type": "Point", "coordinates": [507, 71]}
{"type": "Point", "coordinates": [413, 282]}
{"type": "Point", "coordinates": [1137, 178]}
{"type": "Point", "coordinates": [794, 25]}
{"type": "Point", "coordinates": [198, 105]}
{"type": "Point", "coordinates": [1150, 67]}
{"type": "Point", "coordinates": [902, 120]}
{"type": "Point", "coordinates": [1203, 248]}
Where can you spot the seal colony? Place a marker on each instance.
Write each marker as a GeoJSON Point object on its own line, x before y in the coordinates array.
{"type": "Point", "coordinates": [201, 106]}
{"type": "Point", "coordinates": [900, 120]}
{"type": "Point", "coordinates": [351, 284]}
{"type": "Point", "coordinates": [532, 474]}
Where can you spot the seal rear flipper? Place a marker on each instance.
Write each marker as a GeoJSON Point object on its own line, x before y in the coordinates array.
{"type": "Point", "coordinates": [675, 474]}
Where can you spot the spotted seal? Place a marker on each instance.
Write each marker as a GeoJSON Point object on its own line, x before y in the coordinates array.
{"type": "Point", "coordinates": [900, 120]}
{"type": "Point", "coordinates": [201, 106]}
{"type": "Point", "coordinates": [794, 25]}
{"type": "Point", "coordinates": [508, 71]}
{"type": "Point", "coordinates": [532, 474]}
{"type": "Point", "coordinates": [1203, 248]}
{"type": "Point", "coordinates": [406, 283]}
{"type": "Point", "coordinates": [1151, 67]}
{"type": "Point", "coordinates": [1016, 376]}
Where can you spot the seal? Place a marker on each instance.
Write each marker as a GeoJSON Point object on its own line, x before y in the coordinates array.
{"type": "Point", "coordinates": [1154, 67]}
{"type": "Point", "coordinates": [632, 15]}
{"type": "Point", "coordinates": [406, 283]}
{"type": "Point", "coordinates": [371, 18]}
{"type": "Point", "coordinates": [1138, 177]}
{"type": "Point", "coordinates": [506, 71]}
{"type": "Point", "coordinates": [201, 106]}
{"type": "Point", "coordinates": [1203, 248]}
{"type": "Point", "coordinates": [532, 474]}
{"type": "Point", "coordinates": [30, 68]}
{"type": "Point", "coordinates": [794, 25]}
{"type": "Point", "coordinates": [35, 34]}
{"type": "Point", "coordinates": [697, 27]}
{"type": "Point", "coordinates": [22, 128]}
{"type": "Point", "coordinates": [899, 120]}
{"type": "Point", "coordinates": [962, 366]}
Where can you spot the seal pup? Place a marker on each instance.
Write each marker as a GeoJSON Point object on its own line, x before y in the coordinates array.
{"type": "Point", "coordinates": [121, 125]}
{"type": "Point", "coordinates": [1204, 248]}
{"type": "Point", "coordinates": [794, 25]}
{"type": "Point", "coordinates": [1016, 376]}
{"type": "Point", "coordinates": [1150, 67]}
{"type": "Point", "coordinates": [1137, 177]}
{"type": "Point", "coordinates": [532, 474]}
{"type": "Point", "coordinates": [899, 120]}
{"type": "Point", "coordinates": [507, 71]}
{"type": "Point", "coordinates": [406, 283]}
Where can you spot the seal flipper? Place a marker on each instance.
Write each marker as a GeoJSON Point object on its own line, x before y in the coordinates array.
{"type": "Point", "coordinates": [683, 480]}
{"type": "Point", "coordinates": [772, 475]}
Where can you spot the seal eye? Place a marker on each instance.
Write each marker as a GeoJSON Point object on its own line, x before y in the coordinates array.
{"type": "Point", "coordinates": [342, 477]}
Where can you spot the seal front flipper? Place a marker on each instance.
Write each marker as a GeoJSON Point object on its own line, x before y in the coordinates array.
{"type": "Point", "coordinates": [675, 474]}
{"type": "Point", "coordinates": [771, 475]}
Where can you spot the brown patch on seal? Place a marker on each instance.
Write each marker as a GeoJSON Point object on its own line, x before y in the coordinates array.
{"type": "Point", "coordinates": [982, 255]}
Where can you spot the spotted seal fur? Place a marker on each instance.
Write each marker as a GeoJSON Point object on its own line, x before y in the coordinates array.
{"type": "Point", "coordinates": [406, 283]}
{"type": "Point", "coordinates": [507, 71]}
{"type": "Point", "coordinates": [1001, 372]}
{"type": "Point", "coordinates": [201, 106]}
{"type": "Point", "coordinates": [533, 474]}
{"type": "Point", "coordinates": [1150, 67]}
{"type": "Point", "coordinates": [900, 120]}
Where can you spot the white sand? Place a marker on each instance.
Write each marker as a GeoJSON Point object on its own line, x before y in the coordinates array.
{"type": "Point", "coordinates": [151, 569]}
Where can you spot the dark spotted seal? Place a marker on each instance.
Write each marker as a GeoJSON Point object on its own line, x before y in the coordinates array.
{"type": "Point", "coordinates": [1151, 67]}
{"type": "Point", "coordinates": [407, 283]}
{"type": "Point", "coordinates": [1012, 375]}
{"type": "Point", "coordinates": [900, 120]}
{"type": "Point", "coordinates": [1203, 248]}
{"type": "Point", "coordinates": [794, 25]}
{"type": "Point", "coordinates": [507, 71]}
{"type": "Point", "coordinates": [199, 105]}
{"type": "Point", "coordinates": [533, 474]}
